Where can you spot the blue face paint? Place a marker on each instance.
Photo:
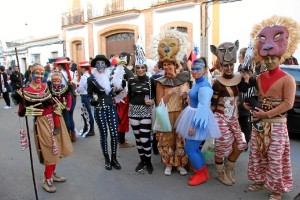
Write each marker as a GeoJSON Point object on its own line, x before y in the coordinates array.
{"type": "Point", "coordinates": [37, 75]}
{"type": "Point", "coordinates": [100, 65]}
{"type": "Point", "coordinates": [196, 68]}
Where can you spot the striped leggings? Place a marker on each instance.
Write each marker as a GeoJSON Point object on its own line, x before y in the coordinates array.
{"type": "Point", "coordinates": [142, 131]}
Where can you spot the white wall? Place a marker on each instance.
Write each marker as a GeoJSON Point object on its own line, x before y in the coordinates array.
{"type": "Point", "coordinates": [81, 31]}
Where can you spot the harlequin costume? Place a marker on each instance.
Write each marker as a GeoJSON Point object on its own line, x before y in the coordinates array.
{"type": "Point", "coordinates": [101, 93]}
{"type": "Point", "coordinates": [171, 45]}
{"type": "Point", "coordinates": [197, 123]}
{"type": "Point", "coordinates": [275, 39]}
{"type": "Point", "coordinates": [50, 148]}
{"type": "Point", "coordinates": [224, 104]}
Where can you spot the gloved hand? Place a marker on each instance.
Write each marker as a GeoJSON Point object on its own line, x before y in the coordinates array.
{"type": "Point", "coordinates": [32, 111]}
{"type": "Point", "coordinates": [93, 102]}
{"type": "Point", "coordinates": [201, 118]}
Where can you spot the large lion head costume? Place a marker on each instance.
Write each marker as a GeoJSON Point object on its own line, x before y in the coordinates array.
{"type": "Point", "coordinates": [276, 36]}
{"type": "Point", "coordinates": [170, 45]}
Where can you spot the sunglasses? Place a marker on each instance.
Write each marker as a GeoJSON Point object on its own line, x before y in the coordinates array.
{"type": "Point", "coordinates": [140, 67]}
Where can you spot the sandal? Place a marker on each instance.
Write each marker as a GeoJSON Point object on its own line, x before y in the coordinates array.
{"type": "Point", "coordinates": [275, 196]}
{"type": "Point", "coordinates": [255, 186]}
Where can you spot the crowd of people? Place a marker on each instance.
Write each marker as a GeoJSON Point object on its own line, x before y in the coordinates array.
{"type": "Point", "coordinates": [239, 110]}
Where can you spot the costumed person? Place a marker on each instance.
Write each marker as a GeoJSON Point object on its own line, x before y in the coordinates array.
{"type": "Point", "coordinates": [275, 39]}
{"type": "Point", "coordinates": [196, 123]}
{"type": "Point", "coordinates": [39, 104]}
{"type": "Point", "coordinates": [87, 116]}
{"type": "Point", "coordinates": [224, 104]}
{"type": "Point", "coordinates": [61, 95]}
{"type": "Point", "coordinates": [244, 114]}
{"type": "Point", "coordinates": [63, 65]}
{"type": "Point", "coordinates": [171, 46]}
{"type": "Point", "coordinates": [4, 87]}
{"type": "Point", "coordinates": [123, 104]}
{"type": "Point", "coordinates": [101, 92]}
{"type": "Point", "coordinates": [141, 94]}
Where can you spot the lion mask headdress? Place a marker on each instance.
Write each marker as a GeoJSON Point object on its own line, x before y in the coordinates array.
{"type": "Point", "coordinates": [276, 36]}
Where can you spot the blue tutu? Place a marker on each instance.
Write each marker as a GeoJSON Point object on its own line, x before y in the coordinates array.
{"type": "Point", "coordinates": [185, 121]}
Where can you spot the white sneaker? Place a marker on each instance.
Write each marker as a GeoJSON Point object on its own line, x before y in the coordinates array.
{"type": "Point", "coordinates": [6, 107]}
{"type": "Point", "coordinates": [182, 170]}
{"type": "Point", "coordinates": [168, 170]}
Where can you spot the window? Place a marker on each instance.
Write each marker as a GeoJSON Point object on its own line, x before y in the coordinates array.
{"type": "Point", "coordinates": [180, 29]}
{"type": "Point", "coordinates": [79, 46]}
{"type": "Point", "coordinates": [54, 54]}
{"type": "Point", "coordinates": [36, 58]}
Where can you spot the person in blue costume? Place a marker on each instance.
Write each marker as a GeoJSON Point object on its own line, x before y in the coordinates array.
{"type": "Point", "coordinates": [197, 123]}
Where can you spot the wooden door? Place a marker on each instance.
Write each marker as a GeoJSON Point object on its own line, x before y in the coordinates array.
{"type": "Point", "coordinates": [120, 42]}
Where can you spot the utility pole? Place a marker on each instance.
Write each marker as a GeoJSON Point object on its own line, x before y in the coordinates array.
{"type": "Point", "coordinates": [205, 25]}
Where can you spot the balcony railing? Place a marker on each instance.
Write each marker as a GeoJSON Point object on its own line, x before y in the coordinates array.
{"type": "Point", "coordinates": [95, 10]}
{"type": "Point", "coordinates": [159, 2]}
{"type": "Point", "coordinates": [72, 17]}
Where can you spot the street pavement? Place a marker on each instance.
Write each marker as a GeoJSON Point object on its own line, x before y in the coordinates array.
{"type": "Point", "coordinates": [87, 178]}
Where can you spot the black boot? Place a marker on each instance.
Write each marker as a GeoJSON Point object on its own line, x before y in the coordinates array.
{"type": "Point", "coordinates": [149, 165]}
{"type": "Point", "coordinates": [107, 163]}
{"type": "Point", "coordinates": [141, 164]}
{"type": "Point", "coordinates": [114, 162]}
{"type": "Point", "coordinates": [91, 132]}
{"type": "Point", "coordinates": [83, 134]}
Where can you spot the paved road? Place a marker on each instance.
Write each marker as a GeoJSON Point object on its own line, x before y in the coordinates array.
{"type": "Point", "coordinates": [88, 180]}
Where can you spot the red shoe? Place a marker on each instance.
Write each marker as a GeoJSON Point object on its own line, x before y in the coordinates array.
{"type": "Point", "coordinates": [200, 177]}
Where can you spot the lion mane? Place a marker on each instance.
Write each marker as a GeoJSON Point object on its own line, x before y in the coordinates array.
{"type": "Point", "coordinates": [291, 26]}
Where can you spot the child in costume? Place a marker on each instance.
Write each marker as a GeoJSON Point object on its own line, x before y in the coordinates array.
{"type": "Point", "coordinates": [275, 39]}
{"type": "Point", "coordinates": [197, 123]}
{"type": "Point", "coordinates": [61, 95]}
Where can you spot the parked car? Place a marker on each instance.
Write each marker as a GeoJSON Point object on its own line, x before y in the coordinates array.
{"type": "Point", "coordinates": [293, 118]}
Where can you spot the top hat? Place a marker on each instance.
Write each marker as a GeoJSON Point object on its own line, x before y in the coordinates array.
{"type": "Point", "coordinates": [98, 58]}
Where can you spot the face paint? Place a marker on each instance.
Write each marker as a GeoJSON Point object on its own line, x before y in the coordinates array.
{"type": "Point", "coordinates": [196, 68]}
{"type": "Point", "coordinates": [271, 62]}
{"type": "Point", "coordinates": [56, 82]}
{"type": "Point", "coordinates": [100, 65]}
{"type": "Point", "coordinates": [37, 75]}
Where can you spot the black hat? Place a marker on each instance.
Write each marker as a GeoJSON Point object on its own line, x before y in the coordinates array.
{"type": "Point", "coordinates": [100, 57]}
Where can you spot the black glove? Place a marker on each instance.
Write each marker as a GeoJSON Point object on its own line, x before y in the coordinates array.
{"type": "Point", "coordinates": [93, 102]}
{"type": "Point", "coordinates": [123, 83]}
